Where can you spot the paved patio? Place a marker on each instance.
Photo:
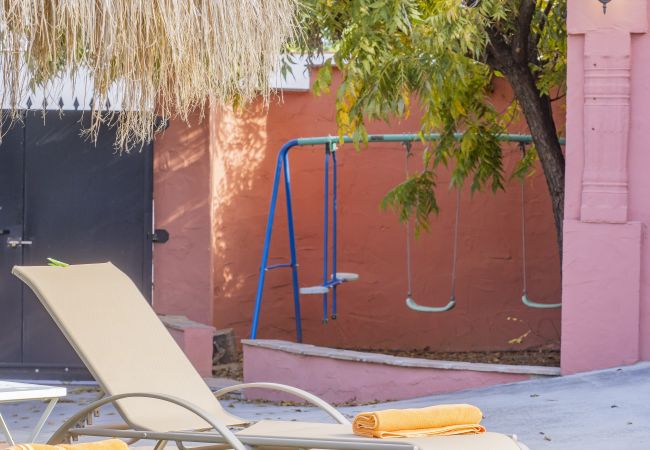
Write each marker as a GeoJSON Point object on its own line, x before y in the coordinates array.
{"type": "Point", "coordinates": [605, 410]}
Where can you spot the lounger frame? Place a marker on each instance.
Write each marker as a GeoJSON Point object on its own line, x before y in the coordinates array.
{"type": "Point", "coordinates": [224, 438]}
{"type": "Point", "coordinates": [70, 430]}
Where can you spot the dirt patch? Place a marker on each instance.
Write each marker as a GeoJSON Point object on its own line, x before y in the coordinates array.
{"type": "Point", "coordinates": [536, 357]}
{"type": "Point", "coordinates": [234, 370]}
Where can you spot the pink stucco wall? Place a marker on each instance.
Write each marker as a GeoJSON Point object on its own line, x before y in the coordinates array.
{"type": "Point", "coordinates": [212, 186]}
{"type": "Point", "coordinates": [606, 313]}
{"type": "Point", "coordinates": [372, 311]}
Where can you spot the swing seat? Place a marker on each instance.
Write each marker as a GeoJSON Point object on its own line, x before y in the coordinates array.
{"type": "Point", "coordinates": [533, 304]}
{"type": "Point", "coordinates": [340, 277]}
{"type": "Point", "coordinates": [347, 276]}
{"type": "Point", "coordinates": [314, 290]}
{"type": "Point", "coordinates": [413, 305]}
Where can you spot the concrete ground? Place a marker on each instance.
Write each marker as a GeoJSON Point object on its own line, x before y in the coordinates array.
{"type": "Point", "coordinates": [601, 410]}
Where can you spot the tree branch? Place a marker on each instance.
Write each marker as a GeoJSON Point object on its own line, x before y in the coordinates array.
{"type": "Point", "coordinates": [499, 54]}
{"type": "Point", "coordinates": [559, 97]}
{"type": "Point", "coordinates": [522, 35]}
{"type": "Point", "coordinates": [535, 37]}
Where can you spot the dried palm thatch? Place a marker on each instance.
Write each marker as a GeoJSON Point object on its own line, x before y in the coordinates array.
{"type": "Point", "coordinates": [174, 54]}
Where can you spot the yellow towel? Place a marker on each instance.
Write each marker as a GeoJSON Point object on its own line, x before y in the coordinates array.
{"type": "Point", "coordinates": [441, 420]}
{"type": "Point", "coordinates": [109, 444]}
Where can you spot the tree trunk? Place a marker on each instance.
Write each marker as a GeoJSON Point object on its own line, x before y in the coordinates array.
{"type": "Point", "coordinates": [513, 63]}
{"type": "Point", "coordinates": [539, 116]}
{"type": "Point", "coordinates": [512, 59]}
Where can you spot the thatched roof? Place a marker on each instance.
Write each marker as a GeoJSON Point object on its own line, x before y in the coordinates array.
{"type": "Point", "coordinates": [174, 54]}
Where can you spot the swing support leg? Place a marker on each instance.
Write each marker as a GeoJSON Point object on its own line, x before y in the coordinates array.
{"type": "Point", "coordinates": [281, 164]}
{"type": "Point", "coordinates": [292, 249]}
{"type": "Point", "coordinates": [326, 227]}
{"type": "Point", "coordinates": [334, 205]}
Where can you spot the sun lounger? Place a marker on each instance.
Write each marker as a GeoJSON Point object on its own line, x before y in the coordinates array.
{"type": "Point", "coordinates": [156, 390]}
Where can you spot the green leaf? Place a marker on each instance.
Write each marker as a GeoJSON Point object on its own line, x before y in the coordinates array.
{"type": "Point", "coordinates": [434, 53]}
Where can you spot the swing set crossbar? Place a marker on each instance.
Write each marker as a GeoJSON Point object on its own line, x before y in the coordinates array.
{"type": "Point", "coordinates": [282, 175]}
{"type": "Point", "coordinates": [523, 138]}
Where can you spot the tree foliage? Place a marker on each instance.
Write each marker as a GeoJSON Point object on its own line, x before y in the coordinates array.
{"type": "Point", "coordinates": [444, 55]}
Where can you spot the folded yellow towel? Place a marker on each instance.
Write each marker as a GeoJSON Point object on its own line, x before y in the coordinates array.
{"type": "Point", "coordinates": [441, 420]}
{"type": "Point", "coordinates": [109, 444]}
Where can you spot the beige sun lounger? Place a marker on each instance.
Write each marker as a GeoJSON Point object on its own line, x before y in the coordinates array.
{"type": "Point", "coordinates": [157, 391]}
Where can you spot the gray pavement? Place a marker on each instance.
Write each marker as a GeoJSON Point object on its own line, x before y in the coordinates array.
{"type": "Point", "coordinates": [601, 410]}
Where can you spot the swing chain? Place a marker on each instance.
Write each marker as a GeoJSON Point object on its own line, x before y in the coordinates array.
{"type": "Point", "coordinates": [455, 251]}
{"type": "Point", "coordinates": [410, 302]}
{"type": "Point", "coordinates": [524, 295]}
{"type": "Point", "coordinates": [522, 147]}
{"type": "Point", "coordinates": [409, 278]}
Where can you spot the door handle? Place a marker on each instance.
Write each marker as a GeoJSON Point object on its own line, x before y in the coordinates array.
{"type": "Point", "coordinates": [13, 243]}
{"type": "Point", "coordinates": [159, 236]}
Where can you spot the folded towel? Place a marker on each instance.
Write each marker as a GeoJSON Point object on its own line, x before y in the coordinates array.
{"type": "Point", "coordinates": [441, 420]}
{"type": "Point", "coordinates": [108, 444]}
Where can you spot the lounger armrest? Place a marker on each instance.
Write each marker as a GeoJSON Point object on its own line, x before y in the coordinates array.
{"type": "Point", "coordinates": [221, 428]}
{"type": "Point", "coordinates": [311, 398]}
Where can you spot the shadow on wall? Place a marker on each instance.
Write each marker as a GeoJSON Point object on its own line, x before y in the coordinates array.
{"type": "Point", "coordinates": [239, 140]}
{"type": "Point", "coordinates": [372, 313]}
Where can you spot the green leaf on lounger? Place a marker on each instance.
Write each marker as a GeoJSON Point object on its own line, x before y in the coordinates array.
{"type": "Point", "coordinates": [56, 263]}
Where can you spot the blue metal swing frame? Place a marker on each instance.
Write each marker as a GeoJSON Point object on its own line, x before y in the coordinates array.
{"type": "Point", "coordinates": [282, 174]}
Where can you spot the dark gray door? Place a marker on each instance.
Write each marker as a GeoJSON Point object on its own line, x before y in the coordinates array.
{"type": "Point", "coordinates": [79, 202]}
{"type": "Point", "coordinates": [11, 225]}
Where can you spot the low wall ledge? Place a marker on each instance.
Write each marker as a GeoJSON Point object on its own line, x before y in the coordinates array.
{"type": "Point", "coordinates": [376, 358]}
{"type": "Point", "coordinates": [182, 322]}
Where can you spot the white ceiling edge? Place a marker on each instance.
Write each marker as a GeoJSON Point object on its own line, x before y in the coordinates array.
{"type": "Point", "coordinates": [298, 80]}
{"type": "Point", "coordinates": [65, 93]}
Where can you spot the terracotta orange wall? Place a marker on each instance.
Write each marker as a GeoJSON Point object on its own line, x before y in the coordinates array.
{"type": "Point", "coordinates": [372, 312]}
{"type": "Point", "coordinates": [183, 265]}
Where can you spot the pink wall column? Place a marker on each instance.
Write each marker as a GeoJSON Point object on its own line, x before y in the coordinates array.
{"type": "Point", "coordinates": [183, 265]}
{"type": "Point", "coordinates": [602, 267]}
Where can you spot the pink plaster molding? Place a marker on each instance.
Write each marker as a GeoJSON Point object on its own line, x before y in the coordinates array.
{"type": "Point", "coordinates": [606, 126]}
{"type": "Point", "coordinates": [601, 290]}
{"type": "Point", "coordinates": [627, 15]}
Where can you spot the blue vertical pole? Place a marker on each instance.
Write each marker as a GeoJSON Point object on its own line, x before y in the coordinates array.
{"type": "Point", "coordinates": [267, 236]}
{"type": "Point", "coordinates": [334, 204]}
{"type": "Point", "coordinates": [292, 247]}
{"type": "Point", "coordinates": [326, 227]}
